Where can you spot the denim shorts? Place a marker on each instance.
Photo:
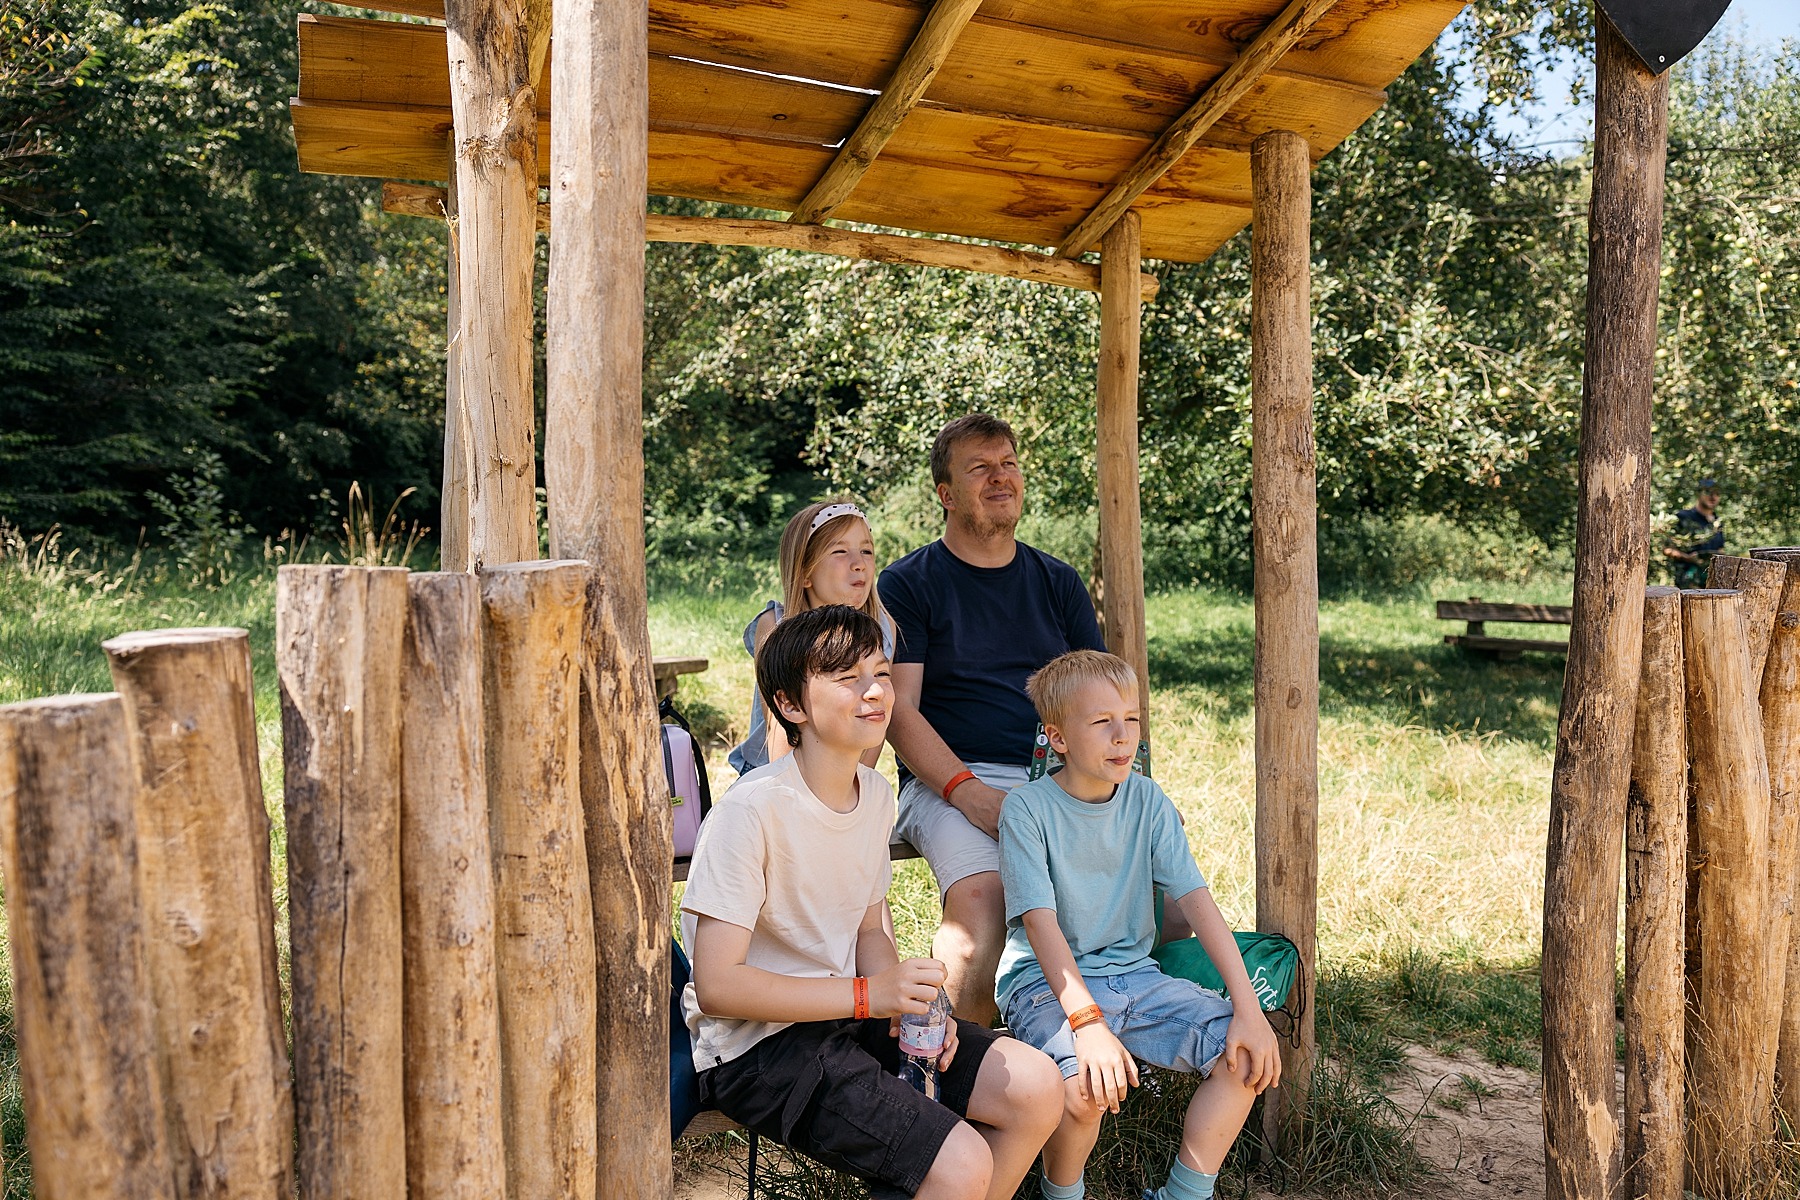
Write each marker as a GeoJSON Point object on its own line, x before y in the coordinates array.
{"type": "Point", "coordinates": [1166, 1022]}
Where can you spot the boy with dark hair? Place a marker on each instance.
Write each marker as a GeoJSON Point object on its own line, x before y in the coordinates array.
{"type": "Point", "coordinates": [798, 987]}
{"type": "Point", "coordinates": [1081, 855]}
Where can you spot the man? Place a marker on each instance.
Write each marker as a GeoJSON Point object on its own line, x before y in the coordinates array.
{"type": "Point", "coordinates": [976, 613]}
{"type": "Point", "coordinates": [1699, 534]}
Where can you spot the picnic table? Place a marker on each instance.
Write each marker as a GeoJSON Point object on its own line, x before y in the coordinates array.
{"type": "Point", "coordinates": [1477, 612]}
{"type": "Point", "coordinates": [670, 668]}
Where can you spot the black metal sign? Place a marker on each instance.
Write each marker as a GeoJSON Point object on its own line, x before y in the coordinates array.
{"type": "Point", "coordinates": [1664, 31]}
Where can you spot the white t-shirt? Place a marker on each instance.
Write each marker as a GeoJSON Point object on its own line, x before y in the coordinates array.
{"type": "Point", "coordinates": [773, 859]}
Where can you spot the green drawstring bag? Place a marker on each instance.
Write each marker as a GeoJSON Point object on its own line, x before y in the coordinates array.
{"type": "Point", "coordinates": [1272, 961]}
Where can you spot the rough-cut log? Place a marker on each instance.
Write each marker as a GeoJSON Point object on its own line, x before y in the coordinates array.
{"type": "Point", "coordinates": [594, 477]}
{"type": "Point", "coordinates": [1121, 518]}
{"type": "Point", "coordinates": [1780, 702]}
{"type": "Point", "coordinates": [1655, 897]}
{"type": "Point", "coordinates": [453, 542]}
{"type": "Point", "coordinates": [531, 681]}
{"type": "Point", "coordinates": [1760, 581]}
{"type": "Point", "coordinates": [1582, 1146]}
{"type": "Point", "coordinates": [1284, 522]}
{"type": "Point", "coordinates": [339, 633]}
{"type": "Point", "coordinates": [425, 200]}
{"type": "Point", "coordinates": [81, 988]}
{"type": "Point", "coordinates": [1731, 795]}
{"type": "Point", "coordinates": [1276, 39]}
{"type": "Point", "coordinates": [209, 913]}
{"type": "Point", "coordinates": [454, 1143]}
{"type": "Point", "coordinates": [493, 100]}
{"type": "Point", "coordinates": [912, 75]}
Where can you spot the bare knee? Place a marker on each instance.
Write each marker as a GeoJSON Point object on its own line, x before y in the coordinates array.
{"type": "Point", "coordinates": [1079, 1111]}
{"type": "Point", "coordinates": [1039, 1091]}
{"type": "Point", "coordinates": [976, 910]}
{"type": "Point", "coordinates": [963, 1168]}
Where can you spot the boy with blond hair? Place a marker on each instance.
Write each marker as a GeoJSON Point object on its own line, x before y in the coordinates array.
{"type": "Point", "coordinates": [1082, 853]}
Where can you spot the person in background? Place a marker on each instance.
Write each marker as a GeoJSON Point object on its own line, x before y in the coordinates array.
{"type": "Point", "coordinates": [1699, 534]}
{"type": "Point", "coordinates": [827, 556]}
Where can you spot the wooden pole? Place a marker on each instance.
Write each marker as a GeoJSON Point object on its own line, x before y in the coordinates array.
{"type": "Point", "coordinates": [339, 633]}
{"type": "Point", "coordinates": [493, 102]}
{"type": "Point", "coordinates": [1759, 581]}
{"type": "Point", "coordinates": [1121, 517]}
{"type": "Point", "coordinates": [81, 988]}
{"type": "Point", "coordinates": [453, 543]}
{"type": "Point", "coordinates": [594, 477]}
{"type": "Point", "coordinates": [1284, 516]}
{"type": "Point", "coordinates": [203, 872]}
{"type": "Point", "coordinates": [1780, 701]}
{"type": "Point", "coordinates": [1612, 530]}
{"type": "Point", "coordinates": [1655, 897]}
{"type": "Point", "coordinates": [1731, 793]}
{"type": "Point", "coordinates": [532, 626]}
{"type": "Point", "coordinates": [454, 1142]}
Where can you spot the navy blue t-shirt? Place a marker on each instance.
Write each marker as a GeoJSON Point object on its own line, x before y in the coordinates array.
{"type": "Point", "coordinates": [981, 632]}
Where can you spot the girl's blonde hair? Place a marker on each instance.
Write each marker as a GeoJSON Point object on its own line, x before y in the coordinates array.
{"type": "Point", "coordinates": [803, 548]}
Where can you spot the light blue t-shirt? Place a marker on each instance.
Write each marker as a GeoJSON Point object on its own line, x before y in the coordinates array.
{"type": "Point", "coordinates": [1097, 866]}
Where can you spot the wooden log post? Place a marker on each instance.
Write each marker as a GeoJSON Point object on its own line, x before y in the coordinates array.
{"type": "Point", "coordinates": [1759, 581]}
{"type": "Point", "coordinates": [1731, 792]}
{"type": "Point", "coordinates": [1780, 703]}
{"type": "Point", "coordinates": [594, 483]}
{"type": "Point", "coordinates": [1121, 543]}
{"type": "Point", "coordinates": [531, 678]}
{"type": "Point", "coordinates": [1284, 516]}
{"type": "Point", "coordinates": [82, 1008]}
{"type": "Point", "coordinates": [339, 637]}
{"type": "Point", "coordinates": [493, 101]}
{"type": "Point", "coordinates": [209, 911]}
{"type": "Point", "coordinates": [453, 506]}
{"type": "Point", "coordinates": [1590, 779]}
{"type": "Point", "coordinates": [454, 1141]}
{"type": "Point", "coordinates": [1655, 898]}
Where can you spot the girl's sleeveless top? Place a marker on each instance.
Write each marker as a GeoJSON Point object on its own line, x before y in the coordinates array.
{"type": "Point", "coordinates": [753, 751]}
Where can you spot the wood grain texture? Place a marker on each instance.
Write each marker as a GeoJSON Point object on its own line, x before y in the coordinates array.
{"type": "Point", "coordinates": [339, 633]}
{"type": "Point", "coordinates": [455, 535]}
{"type": "Point", "coordinates": [1731, 796]}
{"type": "Point", "coordinates": [1655, 901]}
{"type": "Point", "coordinates": [209, 913]}
{"type": "Point", "coordinates": [1284, 524]}
{"type": "Point", "coordinates": [1116, 462]}
{"type": "Point", "coordinates": [1761, 582]}
{"type": "Point", "coordinates": [1780, 704]}
{"type": "Point", "coordinates": [902, 90]}
{"type": "Point", "coordinates": [455, 1147]}
{"type": "Point", "coordinates": [82, 1010]}
{"type": "Point", "coordinates": [531, 646]}
{"type": "Point", "coordinates": [1591, 776]}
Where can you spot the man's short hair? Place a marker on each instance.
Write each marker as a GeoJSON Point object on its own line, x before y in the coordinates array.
{"type": "Point", "coordinates": [820, 641]}
{"type": "Point", "coordinates": [1052, 688]}
{"type": "Point", "coordinates": [976, 427]}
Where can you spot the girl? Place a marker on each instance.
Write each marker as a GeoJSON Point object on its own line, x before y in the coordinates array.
{"type": "Point", "coordinates": [827, 557]}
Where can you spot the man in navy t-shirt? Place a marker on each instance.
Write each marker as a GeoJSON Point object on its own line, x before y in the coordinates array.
{"type": "Point", "coordinates": [975, 613]}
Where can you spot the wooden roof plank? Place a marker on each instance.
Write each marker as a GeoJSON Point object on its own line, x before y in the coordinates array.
{"type": "Point", "coordinates": [916, 69]}
{"type": "Point", "coordinates": [1219, 98]}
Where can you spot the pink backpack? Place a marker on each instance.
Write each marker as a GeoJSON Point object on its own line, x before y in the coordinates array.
{"type": "Point", "coordinates": [690, 795]}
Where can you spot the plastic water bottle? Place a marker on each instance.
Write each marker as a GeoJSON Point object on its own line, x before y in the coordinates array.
{"type": "Point", "coordinates": [921, 1041]}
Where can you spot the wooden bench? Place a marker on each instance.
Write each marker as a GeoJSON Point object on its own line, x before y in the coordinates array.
{"type": "Point", "coordinates": [1477, 612]}
{"type": "Point", "coordinates": [670, 668]}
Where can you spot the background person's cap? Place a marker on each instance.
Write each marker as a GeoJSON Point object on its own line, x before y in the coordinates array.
{"type": "Point", "coordinates": [1709, 484]}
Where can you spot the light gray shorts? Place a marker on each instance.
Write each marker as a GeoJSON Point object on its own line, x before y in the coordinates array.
{"type": "Point", "coordinates": [938, 830]}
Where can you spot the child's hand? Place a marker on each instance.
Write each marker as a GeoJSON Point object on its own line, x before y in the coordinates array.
{"type": "Point", "coordinates": [1105, 1070]}
{"type": "Point", "coordinates": [905, 987]}
{"type": "Point", "coordinates": [949, 1051]}
{"type": "Point", "coordinates": [1251, 1037]}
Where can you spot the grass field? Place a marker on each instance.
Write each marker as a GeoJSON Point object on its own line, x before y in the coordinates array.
{"type": "Point", "coordinates": [1434, 790]}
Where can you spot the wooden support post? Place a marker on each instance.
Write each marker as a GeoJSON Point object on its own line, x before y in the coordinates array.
{"type": "Point", "coordinates": [1582, 1144]}
{"type": "Point", "coordinates": [531, 678]}
{"type": "Point", "coordinates": [209, 911]}
{"type": "Point", "coordinates": [1780, 702]}
{"type": "Point", "coordinates": [455, 1147]}
{"type": "Point", "coordinates": [1284, 524]}
{"type": "Point", "coordinates": [1731, 793]}
{"type": "Point", "coordinates": [594, 477]}
{"type": "Point", "coordinates": [493, 101]}
{"type": "Point", "coordinates": [81, 988]}
{"type": "Point", "coordinates": [453, 542]}
{"type": "Point", "coordinates": [1759, 581]}
{"type": "Point", "coordinates": [1121, 518]}
{"type": "Point", "coordinates": [339, 633]}
{"type": "Point", "coordinates": [1655, 897]}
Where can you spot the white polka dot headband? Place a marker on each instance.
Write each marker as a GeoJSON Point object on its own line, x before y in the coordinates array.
{"type": "Point", "coordinates": [832, 512]}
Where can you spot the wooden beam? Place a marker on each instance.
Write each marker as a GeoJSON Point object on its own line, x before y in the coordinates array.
{"type": "Point", "coordinates": [917, 68]}
{"type": "Point", "coordinates": [1583, 1146]}
{"type": "Point", "coordinates": [1284, 528]}
{"type": "Point", "coordinates": [1121, 516]}
{"type": "Point", "coordinates": [1256, 60]}
{"type": "Point", "coordinates": [423, 200]}
{"type": "Point", "coordinates": [453, 503]}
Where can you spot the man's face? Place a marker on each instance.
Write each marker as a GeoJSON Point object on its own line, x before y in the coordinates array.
{"type": "Point", "coordinates": [986, 492]}
{"type": "Point", "coordinates": [1708, 501]}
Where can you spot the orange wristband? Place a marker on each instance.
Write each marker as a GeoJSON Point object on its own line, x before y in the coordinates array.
{"type": "Point", "coordinates": [957, 780]}
{"type": "Point", "coordinates": [859, 992]}
{"type": "Point", "coordinates": [1083, 1017]}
